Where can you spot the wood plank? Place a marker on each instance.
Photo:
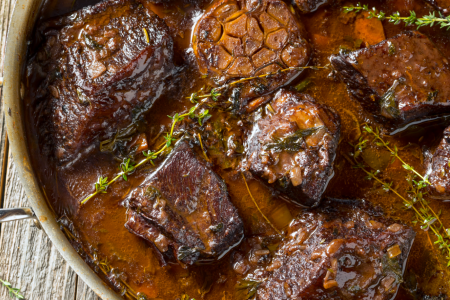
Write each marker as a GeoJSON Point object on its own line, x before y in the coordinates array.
{"type": "Point", "coordinates": [27, 257]}
{"type": "Point", "coordinates": [84, 292]}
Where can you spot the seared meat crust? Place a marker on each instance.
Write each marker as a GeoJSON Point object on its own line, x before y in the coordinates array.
{"type": "Point", "coordinates": [294, 148]}
{"type": "Point", "coordinates": [240, 39]}
{"type": "Point", "coordinates": [96, 68]}
{"type": "Point", "coordinates": [400, 80]}
{"type": "Point", "coordinates": [343, 250]}
{"type": "Point", "coordinates": [184, 209]}
{"type": "Point", "coordinates": [439, 169]}
{"type": "Point", "coordinates": [308, 6]}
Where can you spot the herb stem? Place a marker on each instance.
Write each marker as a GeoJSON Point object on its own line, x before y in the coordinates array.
{"type": "Point", "coordinates": [254, 201]}
{"type": "Point", "coordinates": [276, 72]}
{"type": "Point", "coordinates": [412, 19]}
{"type": "Point", "coordinates": [13, 292]}
{"type": "Point", "coordinates": [201, 145]}
{"type": "Point", "coordinates": [394, 153]}
{"type": "Point", "coordinates": [149, 155]}
{"type": "Point", "coordinates": [102, 183]}
{"type": "Point", "coordinates": [422, 213]}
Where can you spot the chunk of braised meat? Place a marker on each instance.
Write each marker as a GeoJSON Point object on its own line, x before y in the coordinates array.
{"type": "Point", "coordinates": [439, 169]}
{"type": "Point", "coordinates": [343, 250]}
{"type": "Point", "coordinates": [293, 148]}
{"type": "Point", "coordinates": [308, 6]}
{"type": "Point", "coordinates": [401, 79]}
{"type": "Point", "coordinates": [184, 210]}
{"type": "Point", "coordinates": [94, 69]}
{"type": "Point", "coordinates": [442, 5]}
{"type": "Point", "coordinates": [241, 39]}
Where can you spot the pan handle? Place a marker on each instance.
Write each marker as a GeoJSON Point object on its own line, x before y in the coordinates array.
{"type": "Point", "coordinates": [14, 214]}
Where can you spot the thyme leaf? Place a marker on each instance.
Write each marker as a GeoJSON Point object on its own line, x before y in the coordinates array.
{"type": "Point", "coordinates": [216, 228]}
{"type": "Point", "coordinates": [292, 142]}
{"type": "Point", "coordinates": [91, 43]}
{"type": "Point", "coordinates": [13, 292]}
{"type": "Point", "coordinates": [202, 117]}
{"type": "Point", "coordinates": [424, 214]}
{"type": "Point", "coordinates": [302, 85]}
{"type": "Point", "coordinates": [247, 288]}
{"type": "Point", "coordinates": [185, 251]}
{"type": "Point", "coordinates": [127, 167]}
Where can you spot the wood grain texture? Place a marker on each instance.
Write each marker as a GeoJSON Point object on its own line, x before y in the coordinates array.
{"type": "Point", "coordinates": [27, 257]}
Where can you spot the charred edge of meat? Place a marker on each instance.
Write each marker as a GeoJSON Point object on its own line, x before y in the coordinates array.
{"type": "Point", "coordinates": [401, 97]}
{"type": "Point", "coordinates": [187, 207]}
{"type": "Point", "coordinates": [73, 111]}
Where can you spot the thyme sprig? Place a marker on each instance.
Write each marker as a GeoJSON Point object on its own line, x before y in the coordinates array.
{"type": "Point", "coordinates": [13, 292]}
{"type": "Point", "coordinates": [379, 141]}
{"type": "Point", "coordinates": [425, 215]}
{"type": "Point", "coordinates": [412, 19]}
{"type": "Point", "coordinates": [127, 167]}
{"type": "Point", "coordinates": [257, 206]}
{"type": "Point", "coordinates": [216, 92]}
{"type": "Point", "coordinates": [275, 73]}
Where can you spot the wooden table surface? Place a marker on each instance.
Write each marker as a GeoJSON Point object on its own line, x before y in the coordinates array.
{"type": "Point", "coordinates": [28, 259]}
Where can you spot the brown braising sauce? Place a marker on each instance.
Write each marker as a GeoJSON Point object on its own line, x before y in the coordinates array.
{"type": "Point", "coordinates": [100, 222]}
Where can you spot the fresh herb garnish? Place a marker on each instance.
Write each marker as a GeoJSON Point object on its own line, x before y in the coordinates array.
{"type": "Point", "coordinates": [127, 167]}
{"type": "Point", "coordinates": [432, 96]}
{"type": "Point", "coordinates": [185, 251]}
{"type": "Point", "coordinates": [302, 85]}
{"type": "Point", "coordinates": [91, 43]}
{"type": "Point", "coordinates": [424, 214]}
{"type": "Point", "coordinates": [292, 142]}
{"type": "Point", "coordinates": [247, 288]}
{"type": "Point", "coordinates": [82, 98]}
{"type": "Point", "coordinates": [257, 206]}
{"type": "Point", "coordinates": [216, 228]}
{"type": "Point", "coordinates": [13, 292]}
{"type": "Point", "coordinates": [412, 19]}
{"type": "Point", "coordinates": [214, 94]}
{"type": "Point", "coordinates": [391, 48]}
{"type": "Point", "coordinates": [122, 135]}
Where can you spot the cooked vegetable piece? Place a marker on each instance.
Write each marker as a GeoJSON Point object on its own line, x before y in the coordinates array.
{"type": "Point", "coordinates": [400, 80]}
{"type": "Point", "coordinates": [343, 250]}
{"type": "Point", "coordinates": [236, 39]}
{"type": "Point", "coordinates": [367, 30]}
{"type": "Point", "coordinates": [184, 210]}
{"type": "Point", "coordinates": [94, 67]}
{"type": "Point", "coordinates": [293, 148]}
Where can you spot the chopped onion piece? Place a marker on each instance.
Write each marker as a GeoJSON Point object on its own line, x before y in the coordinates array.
{"type": "Point", "coordinates": [330, 284]}
{"type": "Point", "coordinates": [296, 176]}
{"type": "Point", "coordinates": [394, 251]}
{"type": "Point", "coordinates": [281, 216]}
